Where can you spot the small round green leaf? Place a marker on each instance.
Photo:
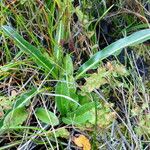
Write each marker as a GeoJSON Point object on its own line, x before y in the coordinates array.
{"type": "Point", "coordinates": [47, 116]}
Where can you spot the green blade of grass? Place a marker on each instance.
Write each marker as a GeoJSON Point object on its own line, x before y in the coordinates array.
{"type": "Point", "coordinates": [133, 39]}
{"type": "Point", "coordinates": [25, 46]}
{"type": "Point", "coordinates": [25, 98]}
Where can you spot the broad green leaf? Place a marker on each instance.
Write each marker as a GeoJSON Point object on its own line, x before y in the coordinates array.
{"type": "Point", "coordinates": [133, 39]}
{"type": "Point", "coordinates": [64, 105]}
{"type": "Point", "coordinates": [25, 46]}
{"type": "Point", "coordinates": [68, 65]}
{"type": "Point", "coordinates": [84, 98]}
{"type": "Point", "coordinates": [67, 71]}
{"type": "Point", "coordinates": [67, 87]}
{"type": "Point", "coordinates": [15, 117]}
{"type": "Point", "coordinates": [61, 102]}
{"type": "Point", "coordinates": [78, 120]}
{"type": "Point", "coordinates": [82, 109]}
{"type": "Point", "coordinates": [81, 115]}
{"type": "Point", "coordinates": [47, 116]}
{"type": "Point", "coordinates": [73, 95]}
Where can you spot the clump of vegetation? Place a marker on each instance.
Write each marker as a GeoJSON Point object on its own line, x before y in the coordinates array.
{"type": "Point", "coordinates": [74, 74]}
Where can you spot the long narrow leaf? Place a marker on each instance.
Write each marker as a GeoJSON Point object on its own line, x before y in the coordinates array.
{"type": "Point", "coordinates": [29, 49]}
{"type": "Point", "coordinates": [25, 98]}
{"type": "Point", "coordinates": [133, 39]}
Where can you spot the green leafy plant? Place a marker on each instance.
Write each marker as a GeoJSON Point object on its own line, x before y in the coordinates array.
{"type": "Point", "coordinates": [47, 116]}
{"type": "Point", "coordinates": [14, 118]}
{"type": "Point", "coordinates": [57, 83]}
{"type": "Point", "coordinates": [80, 115]}
{"type": "Point", "coordinates": [105, 75]}
{"type": "Point", "coordinates": [65, 106]}
{"type": "Point", "coordinates": [19, 106]}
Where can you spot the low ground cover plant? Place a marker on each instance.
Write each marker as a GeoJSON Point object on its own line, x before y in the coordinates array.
{"type": "Point", "coordinates": [68, 80]}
